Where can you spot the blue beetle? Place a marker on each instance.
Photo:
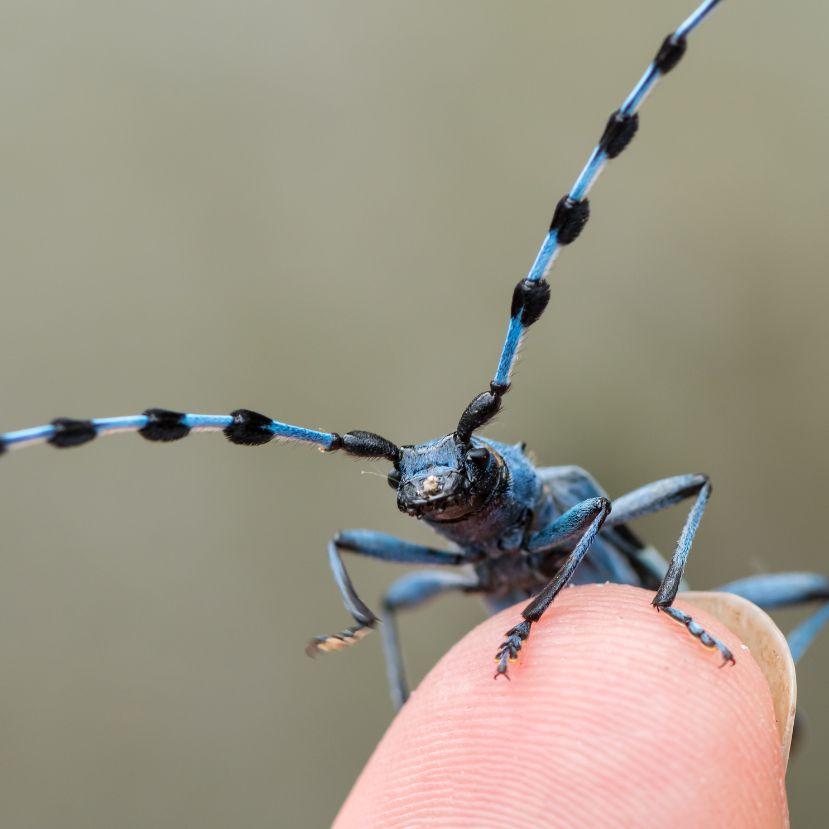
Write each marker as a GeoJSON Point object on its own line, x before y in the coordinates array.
{"type": "Point", "coordinates": [518, 531]}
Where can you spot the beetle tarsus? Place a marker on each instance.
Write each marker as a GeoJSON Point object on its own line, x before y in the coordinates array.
{"type": "Point", "coordinates": [698, 632]}
{"type": "Point", "coordinates": [510, 648]}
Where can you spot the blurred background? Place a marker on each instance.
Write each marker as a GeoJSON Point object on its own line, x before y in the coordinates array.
{"type": "Point", "coordinates": [319, 211]}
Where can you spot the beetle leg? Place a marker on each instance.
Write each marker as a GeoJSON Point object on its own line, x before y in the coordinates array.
{"type": "Point", "coordinates": [375, 545]}
{"type": "Point", "coordinates": [410, 591]}
{"type": "Point", "coordinates": [657, 496]}
{"type": "Point", "coordinates": [773, 590]}
{"type": "Point", "coordinates": [582, 521]}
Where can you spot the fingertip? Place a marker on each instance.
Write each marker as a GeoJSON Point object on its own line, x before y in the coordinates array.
{"type": "Point", "coordinates": [613, 711]}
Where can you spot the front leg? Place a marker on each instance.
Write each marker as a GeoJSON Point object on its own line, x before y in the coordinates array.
{"type": "Point", "coordinates": [375, 545]}
{"type": "Point", "coordinates": [584, 520]}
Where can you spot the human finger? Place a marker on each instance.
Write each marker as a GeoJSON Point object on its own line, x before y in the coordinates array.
{"type": "Point", "coordinates": [615, 716]}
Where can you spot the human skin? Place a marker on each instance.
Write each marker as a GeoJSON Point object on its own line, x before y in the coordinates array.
{"type": "Point", "coordinates": [615, 716]}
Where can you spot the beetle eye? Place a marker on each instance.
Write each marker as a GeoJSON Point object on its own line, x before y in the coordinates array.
{"type": "Point", "coordinates": [394, 478]}
{"type": "Point", "coordinates": [478, 458]}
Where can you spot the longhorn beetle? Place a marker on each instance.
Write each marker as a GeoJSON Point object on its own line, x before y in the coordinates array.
{"type": "Point", "coordinates": [517, 531]}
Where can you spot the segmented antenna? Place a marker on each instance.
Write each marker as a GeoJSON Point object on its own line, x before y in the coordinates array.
{"type": "Point", "coordinates": [242, 427]}
{"type": "Point", "coordinates": [573, 210]}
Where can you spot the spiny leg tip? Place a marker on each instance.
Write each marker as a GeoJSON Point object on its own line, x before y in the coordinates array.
{"type": "Point", "coordinates": [321, 644]}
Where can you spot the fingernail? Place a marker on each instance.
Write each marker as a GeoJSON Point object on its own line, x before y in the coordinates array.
{"type": "Point", "coordinates": [766, 644]}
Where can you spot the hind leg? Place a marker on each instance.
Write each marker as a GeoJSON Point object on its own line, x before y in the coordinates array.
{"type": "Point", "coordinates": [774, 590]}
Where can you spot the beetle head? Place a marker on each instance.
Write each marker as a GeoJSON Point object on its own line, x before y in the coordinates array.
{"type": "Point", "coordinates": [445, 479]}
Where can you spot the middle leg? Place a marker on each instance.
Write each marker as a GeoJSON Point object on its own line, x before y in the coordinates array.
{"type": "Point", "coordinates": [410, 591]}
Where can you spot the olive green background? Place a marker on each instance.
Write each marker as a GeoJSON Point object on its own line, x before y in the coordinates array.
{"type": "Point", "coordinates": [318, 210]}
